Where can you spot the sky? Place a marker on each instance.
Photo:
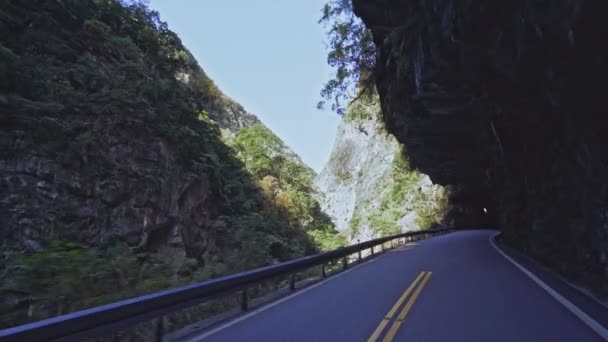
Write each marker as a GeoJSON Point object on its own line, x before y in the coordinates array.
{"type": "Point", "coordinates": [267, 55]}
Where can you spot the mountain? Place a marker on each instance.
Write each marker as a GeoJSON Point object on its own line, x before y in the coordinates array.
{"type": "Point", "coordinates": [369, 188]}
{"type": "Point", "coordinates": [125, 170]}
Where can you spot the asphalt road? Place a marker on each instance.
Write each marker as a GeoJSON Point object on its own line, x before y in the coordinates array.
{"type": "Point", "coordinates": [463, 290]}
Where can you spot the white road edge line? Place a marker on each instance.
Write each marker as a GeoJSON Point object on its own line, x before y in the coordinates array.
{"type": "Point", "coordinates": [268, 306]}
{"type": "Point", "coordinates": [590, 322]}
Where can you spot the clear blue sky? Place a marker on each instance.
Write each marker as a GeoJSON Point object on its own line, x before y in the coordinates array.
{"type": "Point", "coordinates": [269, 56]}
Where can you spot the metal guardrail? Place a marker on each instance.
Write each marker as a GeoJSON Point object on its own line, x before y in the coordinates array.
{"type": "Point", "coordinates": [113, 317]}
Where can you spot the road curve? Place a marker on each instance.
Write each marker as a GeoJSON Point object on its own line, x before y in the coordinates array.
{"type": "Point", "coordinates": [469, 293]}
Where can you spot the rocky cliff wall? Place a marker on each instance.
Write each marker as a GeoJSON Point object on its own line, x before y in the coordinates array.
{"type": "Point", "coordinates": [504, 101]}
{"type": "Point", "coordinates": [114, 177]}
{"type": "Point", "coordinates": [359, 183]}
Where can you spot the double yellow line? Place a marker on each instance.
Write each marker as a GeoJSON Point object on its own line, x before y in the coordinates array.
{"type": "Point", "coordinates": [422, 279]}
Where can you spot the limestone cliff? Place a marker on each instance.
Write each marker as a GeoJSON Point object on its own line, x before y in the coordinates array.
{"type": "Point", "coordinates": [369, 189]}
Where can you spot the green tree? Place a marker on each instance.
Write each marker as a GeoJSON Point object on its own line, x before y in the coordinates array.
{"type": "Point", "coordinates": [287, 184]}
{"type": "Point", "coordinates": [351, 54]}
{"type": "Point", "coordinates": [258, 148]}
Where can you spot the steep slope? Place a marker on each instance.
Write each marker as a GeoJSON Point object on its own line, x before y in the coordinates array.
{"type": "Point", "coordinates": [229, 115]}
{"type": "Point", "coordinates": [369, 189]}
{"type": "Point", "coordinates": [286, 182]}
{"type": "Point", "coordinates": [505, 101]}
{"type": "Point", "coordinates": [114, 178]}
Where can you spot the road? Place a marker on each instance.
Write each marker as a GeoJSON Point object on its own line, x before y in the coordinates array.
{"type": "Point", "coordinates": [460, 289]}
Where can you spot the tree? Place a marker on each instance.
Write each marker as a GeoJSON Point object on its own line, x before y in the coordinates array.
{"type": "Point", "coordinates": [351, 54]}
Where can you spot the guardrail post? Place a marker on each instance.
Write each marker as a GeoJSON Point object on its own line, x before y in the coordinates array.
{"type": "Point", "coordinates": [156, 310]}
{"type": "Point", "coordinates": [160, 329]}
{"type": "Point", "coordinates": [244, 300]}
{"type": "Point", "coordinates": [292, 282]}
{"type": "Point", "coordinates": [382, 247]}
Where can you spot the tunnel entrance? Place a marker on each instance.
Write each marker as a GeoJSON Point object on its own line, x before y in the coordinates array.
{"type": "Point", "coordinates": [469, 207]}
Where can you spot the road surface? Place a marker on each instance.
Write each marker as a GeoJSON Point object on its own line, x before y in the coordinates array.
{"type": "Point", "coordinates": [455, 287]}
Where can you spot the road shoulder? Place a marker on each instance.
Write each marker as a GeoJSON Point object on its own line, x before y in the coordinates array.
{"type": "Point", "coordinates": [590, 310]}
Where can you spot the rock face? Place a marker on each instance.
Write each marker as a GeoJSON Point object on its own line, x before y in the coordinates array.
{"type": "Point", "coordinates": [230, 116]}
{"type": "Point", "coordinates": [361, 157]}
{"type": "Point", "coordinates": [114, 177]}
{"type": "Point", "coordinates": [504, 102]}
{"type": "Point", "coordinates": [105, 183]}
{"type": "Point", "coordinates": [358, 184]}
{"type": "Point", "coordinates": [114, 187]}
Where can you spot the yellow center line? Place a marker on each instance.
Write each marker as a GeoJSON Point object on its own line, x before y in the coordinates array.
{"type": "Point", "coordinates": [393, 331]}
{"type": "Point", "coordinates": [394, 309]}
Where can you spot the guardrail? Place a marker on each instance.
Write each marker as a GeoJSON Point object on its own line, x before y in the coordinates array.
{"type": "Point", "coordinates": [110, 318]}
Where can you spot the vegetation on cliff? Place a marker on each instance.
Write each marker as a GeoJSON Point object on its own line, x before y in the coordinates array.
{"type": "Point", "coordinates": [351, 92]}
{"type": "Point", "coordinates": [351, 54]}
{"type": "Point", "coordinates": [287, 184]}
{"type": "Point", "coordinates": [395, 196]}
{"type": "Point", "coordinates": [115, 180]}
{"type": "Point", "coordinates": [369, 186]}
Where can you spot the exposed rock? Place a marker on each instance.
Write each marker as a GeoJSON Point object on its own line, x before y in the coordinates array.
{"type": "Point", "coordinates": [231, 116]}
{"type": "Point", "coordinates": [357, 181]}
{"type": "Point", "coordinates": [113, 170]}
{"type": "Point", "coordinates": [505, 102]}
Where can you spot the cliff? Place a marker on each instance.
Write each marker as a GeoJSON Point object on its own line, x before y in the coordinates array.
{"type": "Point", "coordinates": [115, 175]}
{"type": "Point", "coordinates": [368, 188]}
{"type": "Point", "coordinates": [504, 102]}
